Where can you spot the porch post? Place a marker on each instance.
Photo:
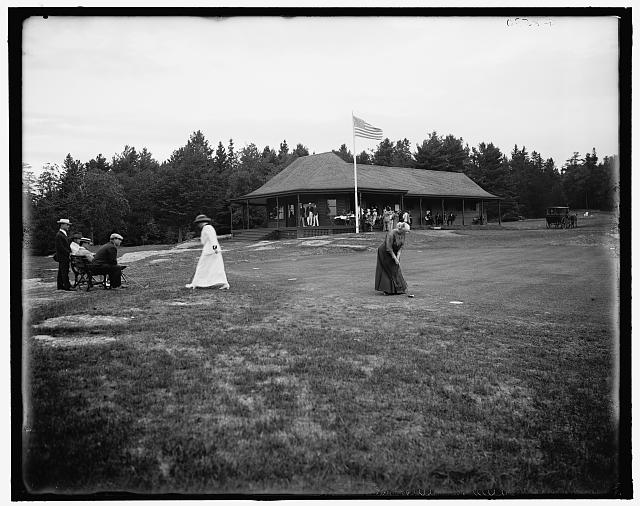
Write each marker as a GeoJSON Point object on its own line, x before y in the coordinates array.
{"type": "Point", "coordinates": [442, 204]}
{"type": "Point", "coordinates": [463, 212]}
{"type": "Point", "coordinates": [230, 219]}
{"type": "Point", "coordinates": [420, 222]}
{"type": "Point", "coordinates": [401, 202]}
{"type": "Point", "coordinates": [277, 213]}
{"type": "Point", "coordinates": [248, 218]}
{"type": "Point", "coordinates": [499, 214]}
{"type": "Point", "coordinates": [298, 212]}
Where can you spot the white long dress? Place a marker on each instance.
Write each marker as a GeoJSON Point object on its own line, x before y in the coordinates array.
{"type": "Point", "coordinates": [210, 269]}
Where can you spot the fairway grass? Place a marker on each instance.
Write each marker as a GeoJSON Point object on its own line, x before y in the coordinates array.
{"type": "Point", "coordinates": [290, 384]}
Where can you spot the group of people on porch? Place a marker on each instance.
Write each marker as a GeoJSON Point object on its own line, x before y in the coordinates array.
{"type": "Point", "coordinates": [387, 219]}
{"type": "Point", "coordinates": [438, 219]}
{"type": "Point", "coordinates": [372, 217]}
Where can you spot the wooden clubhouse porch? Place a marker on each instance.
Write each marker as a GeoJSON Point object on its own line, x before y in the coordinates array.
{"type": "Point", "coordinates": [315, 196]}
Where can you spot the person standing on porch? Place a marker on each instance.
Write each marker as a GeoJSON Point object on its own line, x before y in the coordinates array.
{"type": "Point", "coordinates": [210, 270]}
{"type": "Point", "coordinates": [310, 215]}
{"type": "Point", "coordinates": [386, 219]}
{"type": "Point", "coordinates": [389, 277]}
{"type": "Point", "coordinates": [302, 219]}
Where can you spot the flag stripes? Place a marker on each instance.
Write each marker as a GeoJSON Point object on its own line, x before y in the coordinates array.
{"type": "Point", "coordinates": [363, 129]}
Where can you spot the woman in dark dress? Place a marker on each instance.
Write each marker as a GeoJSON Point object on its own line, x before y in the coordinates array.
{"type": "Point", "coordinates": [388, 274]}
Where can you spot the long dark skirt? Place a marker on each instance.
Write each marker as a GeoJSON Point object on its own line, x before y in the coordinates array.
{"type": "Point", "coordinates": [388, 274]}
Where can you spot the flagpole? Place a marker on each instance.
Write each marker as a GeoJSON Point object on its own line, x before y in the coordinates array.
{"type": "Point", "coordinates": [355, 177]}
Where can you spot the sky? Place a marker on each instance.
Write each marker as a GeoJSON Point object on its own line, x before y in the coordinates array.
{"type": "Point", "coordinates": [92, 85]}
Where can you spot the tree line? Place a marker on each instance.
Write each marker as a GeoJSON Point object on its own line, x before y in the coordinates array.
{"type": "Point", "coordinates": [151, 203]}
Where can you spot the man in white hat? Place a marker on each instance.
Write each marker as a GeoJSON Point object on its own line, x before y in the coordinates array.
{"type": "Point", "coordinates": [77, 246]}
{"type": "Point", "coordinates": [105, 261]}
{"type": "Point", "coordinates": [63, 250]}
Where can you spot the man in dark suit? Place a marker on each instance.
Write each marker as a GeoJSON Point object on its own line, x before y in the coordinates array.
{"type": "Point", "coordinates": [63, 250]}
{"type": "Point", "coordinates": [105, 261]}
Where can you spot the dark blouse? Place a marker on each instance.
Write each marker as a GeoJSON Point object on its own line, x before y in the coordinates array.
{"type": "Point", "coordinates": [394, 241]}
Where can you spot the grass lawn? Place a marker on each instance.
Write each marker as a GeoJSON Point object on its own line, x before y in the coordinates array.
{"type": "Point", "coordinates": [302, 379]}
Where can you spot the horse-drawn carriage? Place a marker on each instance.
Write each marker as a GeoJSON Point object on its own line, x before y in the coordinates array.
{"type": "Point", "coordinates": [560, 217]}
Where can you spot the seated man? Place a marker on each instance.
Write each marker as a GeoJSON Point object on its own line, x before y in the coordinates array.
{"type": "Point", "coordinates": [77, 246]}
{"type": "Point", "coordinates": [74, 239]}
{"type": "Point", "coordinates": [105, 261]}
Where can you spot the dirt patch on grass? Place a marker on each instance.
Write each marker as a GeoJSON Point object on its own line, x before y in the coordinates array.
{"type": "Point", "coordinates": [81, 322]}
{"type": "Point", "coordinates": [32, 283]}
{"type": "Point", "coordinates": [314, 243]}
{"type": "Point", "coordinates": [354, 247]}
{"type": "Point", "coordinates": [136, 256]}
{"type": "Point", "coordinates": [64, 342]}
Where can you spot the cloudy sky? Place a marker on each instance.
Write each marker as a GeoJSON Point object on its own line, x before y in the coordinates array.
{"type": "Point", "coordinates": [95, 84]}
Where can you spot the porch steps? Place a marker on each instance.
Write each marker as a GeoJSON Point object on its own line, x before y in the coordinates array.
{"type": "Point", "coordinates": [253, 234]}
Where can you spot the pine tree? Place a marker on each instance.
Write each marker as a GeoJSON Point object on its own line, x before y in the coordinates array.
{"type": "Point", "coordinates": [364, 158]}
{"type": "Point", "coordinates": [232, 157]}
{"type": "Point", "coordinates": [99, 163]}
{"type": "Point", "coordinates": [220, 160]}
{"type": "Point", "coordinates": [455, 154]}
{"type": "Point", "coordinates": [283, 153]}
{"type": "Point", "coordinates": [127, 162]}
{"type": "Point", "coordinates": [384, 153]}
{"type": "Point", "coordinates": [430, 154]}
{"type": "Point", "coordinates": [301, 150]}
{"type": "Point", "coordinates": [402, 156]}
{"type": "Point", "coordinates": [269, 155]}
{"type": "Point", "coordinates": [344, 153]}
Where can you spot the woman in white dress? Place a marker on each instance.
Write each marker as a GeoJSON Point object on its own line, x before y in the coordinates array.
{"type": "Point", "coordinates": [210, 269]}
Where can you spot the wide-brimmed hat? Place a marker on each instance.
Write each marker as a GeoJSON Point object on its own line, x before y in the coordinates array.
{"type": "Point", "coordinates": [115, 236]}
{"type": "Point", "coordinates": [76, 235]}
{"type": "Point", "coordinates": [64, 221]}
{"type": "Point", "coordinates": [202, 218]}
{"type": "Point", "coordinates": [85, 239]}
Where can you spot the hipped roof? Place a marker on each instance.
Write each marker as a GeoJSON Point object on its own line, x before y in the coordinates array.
{"type": "Point", "coordinates": [327, 172]}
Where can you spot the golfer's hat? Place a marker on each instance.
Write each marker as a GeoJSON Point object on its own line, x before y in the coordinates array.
{"type": "Point", "coordinates": [63, 221]}
{"type": "Point", "coordinates": [115, 236]}
{"type": "Point", "coordinates": [202, 218]}
{"type": "Point", "coordinates": [85, 239]}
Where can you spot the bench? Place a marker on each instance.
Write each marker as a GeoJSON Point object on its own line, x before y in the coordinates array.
{"type": "Point", "coordinates": [84, 275]}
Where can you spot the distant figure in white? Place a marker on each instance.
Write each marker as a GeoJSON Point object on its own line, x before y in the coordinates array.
{"type": "Point", "coordinates": [210, 270]}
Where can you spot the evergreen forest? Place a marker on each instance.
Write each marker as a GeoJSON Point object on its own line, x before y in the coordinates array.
{"type": "Point", "coordinates": [150, 202]}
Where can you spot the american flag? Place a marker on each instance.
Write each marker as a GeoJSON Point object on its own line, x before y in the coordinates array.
{"type": "Point", "coordinates": [363, 129]}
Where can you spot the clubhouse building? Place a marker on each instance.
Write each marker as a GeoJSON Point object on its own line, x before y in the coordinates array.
{"type": "Point", "coordinates": [314, 196]}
